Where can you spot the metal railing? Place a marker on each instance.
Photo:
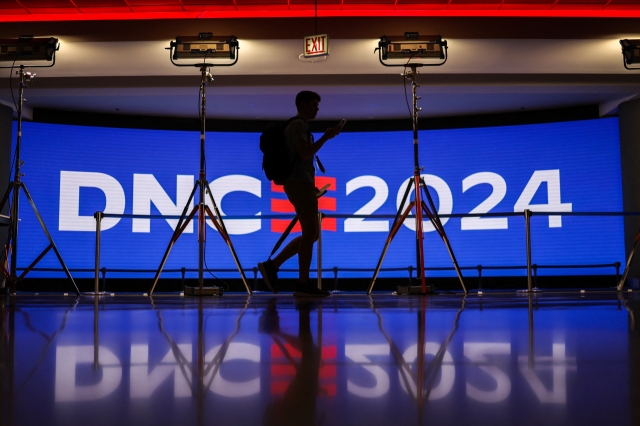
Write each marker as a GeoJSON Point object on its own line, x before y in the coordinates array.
{"type": "Point", "coordinates": [531, 268]}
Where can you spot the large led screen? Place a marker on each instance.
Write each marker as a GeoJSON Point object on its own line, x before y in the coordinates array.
{"type": "Point", "coordinates": [74, 171]}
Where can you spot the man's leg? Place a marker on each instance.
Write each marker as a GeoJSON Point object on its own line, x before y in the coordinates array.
{"type": "Point", "coordinates": [290, 250]}
{"type": "Point", "coordinates": [309, 236]}
{"type": "Point", "coordinates": [302, 246]}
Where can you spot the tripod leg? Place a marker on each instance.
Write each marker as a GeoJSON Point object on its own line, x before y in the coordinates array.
{"type": "Point", "coordinates": [226, 238]}
{"type": "Point", "coordinates": [183, 215]}
{"type": "Point", "coordinates": [390, 237]}
{"type": "Point", "coordinates": [6, 251]}
{"type": "Point", "coordinates": [432, 205]}
{"type": "Point", "coordinates": [46, 231]}
{"type": "Point", "coordinates": [4, 264]}
{"type": "Point", "coordinates": [215, 209]}
{"type": "Point", "coordinates": [174, 238]}
{"type": "Point", "coordinates": [419, 233]}
{"type": "Point", "coordinates": [4, 267]}
{"type": "Point", "coordinates": [180, 227]}
{"type": "Point", "coordinates": [407, 191]}
{"type": "Point", "coordinates": [391, 233]}
{"type": "Point", "coordinates": [6, 196]}
{"type": "Point", "coordinates": [626, 268]}
{"type": "Point", "coordinates": [445, 239]}
{"type": "Point", "coordinates": [437, 224]}
{"type": "Point", "coordinates": [35, 262]}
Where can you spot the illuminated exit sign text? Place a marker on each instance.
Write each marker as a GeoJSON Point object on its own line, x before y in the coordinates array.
{"type": "Point", "coordinates": [316, 45]}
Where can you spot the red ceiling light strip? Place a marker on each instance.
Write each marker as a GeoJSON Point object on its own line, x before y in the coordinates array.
{"type": "Point", "coordinates": [361, 11]}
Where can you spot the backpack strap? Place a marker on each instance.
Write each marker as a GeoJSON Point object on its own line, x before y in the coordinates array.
{"type": "Point", "coordinates": [286, 124]}
{"type": "Point", "coordinates": [309, 138]}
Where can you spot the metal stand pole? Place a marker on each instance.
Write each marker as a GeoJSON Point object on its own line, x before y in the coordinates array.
{"type": "Point", "coordinates": [320, 216]}
{"type": "Point", "coordinates": [96, 279]}
{"type": "Point", "coordinates": [202, 210]}
{"type": "Point", "coordinates": [15, 186]}
{"type": "Point", "coordinates": [418, 184]}
{"type": "Point", "coordinates": [527, 222]}
{"type": "Point", "coordinates": [96, 335]}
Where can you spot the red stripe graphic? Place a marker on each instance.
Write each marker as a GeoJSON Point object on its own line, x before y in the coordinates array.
{"type": "Point", "coordinates": [283, 371]}
{"type": "Point", "coordinates": [325, 203]}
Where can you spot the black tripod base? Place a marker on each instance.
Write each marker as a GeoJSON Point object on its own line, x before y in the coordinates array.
{"type": "Point", "coordinates": [409, 290]}
{"type": "Point", "coordinates": [206, 291]}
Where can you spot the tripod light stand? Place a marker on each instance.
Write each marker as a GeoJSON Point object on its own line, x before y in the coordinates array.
{"type": "Point", "coordinates": [29, 49]}
{"type": "Point", "coordinates": [630, 56]}
{"type": "Point", "coordinates": [412, 45]}
{"type": "Point", "coordinates": [203, 46]}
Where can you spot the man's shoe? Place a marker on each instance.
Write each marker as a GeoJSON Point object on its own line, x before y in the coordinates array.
{"type": "Point", "coordinates": [269, 274]}
{"type": "Point", "coordinates": [309, 290]}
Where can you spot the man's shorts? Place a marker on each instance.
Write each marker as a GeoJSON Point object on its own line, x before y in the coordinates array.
{"type": "Point", "coordinates": [303, 197]}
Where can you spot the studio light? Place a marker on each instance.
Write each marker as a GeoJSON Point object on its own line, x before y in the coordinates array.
{"type": "Point", "coordinates": [28, 48]}
{"type": "Point", "coordinates": [630, 53]}
{"type": "Point", "coordinates": [18, 51]}
{"type": "Point", "coordinates": [204, 46]}
{"type": "Point", "coordinates": [408, 47]}
{"type": "Point", "coordinates": [411, 45]}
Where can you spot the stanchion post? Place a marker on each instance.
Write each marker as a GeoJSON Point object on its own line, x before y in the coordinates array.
{"type": "Point", "coordinates": [320, 250]}
{"type": "Point", "coordinates": [527, 223]}
{"type": "Point", "coordinates": [98, 216]}
{"type": "Point", "coordinates": [104, 278]}
{"type": "Point", "coordinates": [255, 278]}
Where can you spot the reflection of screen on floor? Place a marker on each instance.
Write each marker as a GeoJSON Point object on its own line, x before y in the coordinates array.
{"type": "Point", "coordinates": [322, 191]}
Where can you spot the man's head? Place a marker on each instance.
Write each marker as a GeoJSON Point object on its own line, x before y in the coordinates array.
{"type": "Point", "coordinates": [307, 104]}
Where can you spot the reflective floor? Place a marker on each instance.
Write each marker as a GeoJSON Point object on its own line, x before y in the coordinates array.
{"type": "Point", "coordinates": [500, 359]}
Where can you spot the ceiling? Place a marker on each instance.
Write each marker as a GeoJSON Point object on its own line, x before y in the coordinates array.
{"type": "Point", "coordinates": [495, 65]}
{"type": "Point", "coordinates": [48, 10]}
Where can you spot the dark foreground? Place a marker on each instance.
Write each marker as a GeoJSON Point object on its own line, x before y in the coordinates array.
{"type": "Point", "coordinates": [502, 358]}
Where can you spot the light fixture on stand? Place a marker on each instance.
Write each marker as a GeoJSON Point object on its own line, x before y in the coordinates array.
{"type": "Point", "coordinates": [203, 46]}
{"type": "Point", "coordinates": [408, 47]}
{"type": "Point", "coordinates": [24, 49]}
{"type": "Point", "coordinates": [630, 53]}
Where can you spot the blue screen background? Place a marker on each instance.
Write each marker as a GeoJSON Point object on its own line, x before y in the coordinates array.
{"type": "Point", "coordinates": [586, 153]}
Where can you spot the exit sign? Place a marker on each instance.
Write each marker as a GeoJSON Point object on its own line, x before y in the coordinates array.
{"type": "Point", "coordinates": [316, 45]}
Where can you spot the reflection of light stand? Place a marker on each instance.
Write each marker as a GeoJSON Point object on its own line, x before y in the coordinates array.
{"type": "Point", "coordinates": [419, 384]}
{"type": "Point", "coordinates": [205, 370]}
{"type": "Point", "coordinates": [203, 186]}
{"type": "Point", "coordinates": [417, 182]}
{"type": "Point", "coordinates": [15, 186]}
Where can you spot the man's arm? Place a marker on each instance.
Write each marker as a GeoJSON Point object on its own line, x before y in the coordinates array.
{"type": "Point", "coordinates": [307, 150]}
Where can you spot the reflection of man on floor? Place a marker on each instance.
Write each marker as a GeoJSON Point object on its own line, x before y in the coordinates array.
{"type": "Point", "coordinates": [298, 405]}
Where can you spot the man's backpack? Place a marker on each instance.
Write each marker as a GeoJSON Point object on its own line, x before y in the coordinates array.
{"type": "Point", "coordinates": [276, 161]}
